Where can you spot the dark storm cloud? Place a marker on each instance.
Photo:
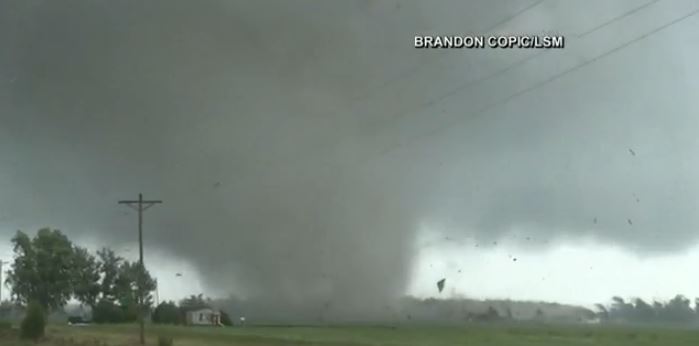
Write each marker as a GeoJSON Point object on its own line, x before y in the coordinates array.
{"type": "Point", "coordinates": [262, 127]}
{"type": "Point", "coordinates": [219, 109]}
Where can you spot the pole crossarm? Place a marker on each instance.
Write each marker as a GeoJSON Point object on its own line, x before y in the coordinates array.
{"type": "Point", "coordinates": [140, 205]}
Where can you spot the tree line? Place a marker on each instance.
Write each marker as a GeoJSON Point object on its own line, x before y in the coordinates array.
{"type": "Point", "coordinates": [676, 310]}
{"type": "Point", "coordinates": [49, 270]}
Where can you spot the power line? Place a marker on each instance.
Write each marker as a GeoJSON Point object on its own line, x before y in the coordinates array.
{"type": "Point", "coordinates": [548, 80]}
{"type": "Point", "coordinates": [472, 83]}
{"type": "Point", "coordinates": [412, 71]}
{"type": "Point", "coordinates": [513, 16]}
{"type": "Point", "coordinates": [621, 16]}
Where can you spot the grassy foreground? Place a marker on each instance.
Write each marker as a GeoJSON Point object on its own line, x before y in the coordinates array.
{"type": "Point", "coordinates": [358, 336]}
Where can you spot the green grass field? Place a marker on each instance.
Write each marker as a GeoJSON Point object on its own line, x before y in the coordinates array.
{"type": "Point", "coordinates": [357, 336]}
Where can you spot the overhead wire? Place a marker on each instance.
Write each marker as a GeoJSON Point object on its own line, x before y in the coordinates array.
{"type": "Point", "coordinates": [621, 16]}
{"type": "Point", "coordinates": [542, 83]}
{"type": "Point", "coordinates": [473, 83]}
{"type": "Point", "coordinates": [410, 72]}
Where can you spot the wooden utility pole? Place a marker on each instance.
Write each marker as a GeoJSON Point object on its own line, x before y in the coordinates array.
{"type": "Point", "coordinates": [140, 205]}
{"type": "Point", "coordinates": [157, 294]}
{"type": "Point", "coordinates": [1, 283]}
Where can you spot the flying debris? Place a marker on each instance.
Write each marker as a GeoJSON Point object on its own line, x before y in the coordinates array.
{"type": "Point", "coordinates": [632, 152]}
{"type": "Point", "coordinates": [440, 285]}
{"type": "Point", "coordinates": [178, 274]}
{"type": "Point", "coordinates": [514, 259]}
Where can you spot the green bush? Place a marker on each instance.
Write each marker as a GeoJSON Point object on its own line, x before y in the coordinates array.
{"type": "Point", "coordinates": [129, 313]}
{"type": "Point", "coordinates": [34, 322]}
{"type": "Point", "coordinates": [5, 325]}
{"type": "Point", "coordinates": [109, 312]}
{"type": "Point", "coordinates": [6, 330]}
{"type": "Point", "coordinates": [165, 341]}
{"type": "Point", "coordinates": [106, 312]}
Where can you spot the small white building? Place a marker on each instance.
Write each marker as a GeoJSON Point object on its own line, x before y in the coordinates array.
{"type": "Point", "coordinates": [204, 317]}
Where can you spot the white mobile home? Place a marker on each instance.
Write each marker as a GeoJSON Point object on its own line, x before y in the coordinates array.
{"type": "Point", "coordinates": [204, 317]}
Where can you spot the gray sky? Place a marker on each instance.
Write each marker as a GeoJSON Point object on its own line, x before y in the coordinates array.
{"type": "Point", "coordinates": [304, 158]}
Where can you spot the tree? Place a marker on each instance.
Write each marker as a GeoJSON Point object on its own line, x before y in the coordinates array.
{"type": "Point", "coordinates": [191, 303]}
{"type": "Point", "coordinates": [86, 276]}
{"type": "Point", "coordinates": [167, 313]}
{"type": "Point", "coordinates": [131, 277]}
{"type": "Point", "coordinates": [109, 264]}
{"type": "Point", "coordinates": [225, 319]}
{"type": "Point", "coordinates": [620, 309]}
{"type": "Point", "coordinates": [42, 269]}
{"type": "Point", "coordinates": [194, 302]}
{"type": "Point", "coordinates": [602, 312]}
{"type": "Point", "coordinates": [492, 314]}
{"type": "Point", "coordinates": [109, 284]}
{"type": "Point", "coordinates": [643, 311]}
{"type": "Point", "coordinates": [106, 311]}
{"type": "Point", "coordinates": [126, 288]}
{"type": "Point", "coordinates": [678, 309]}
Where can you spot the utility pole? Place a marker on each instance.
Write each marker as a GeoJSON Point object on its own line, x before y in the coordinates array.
{"type": "Point", "coordinates": [1, 283]}
{"type": "Point", "coordinates": [157, 293]}
{"type": "Point", "coordinates": [140, 205]}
